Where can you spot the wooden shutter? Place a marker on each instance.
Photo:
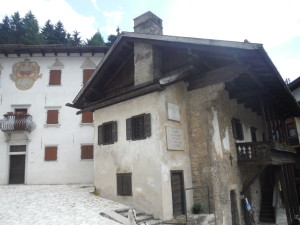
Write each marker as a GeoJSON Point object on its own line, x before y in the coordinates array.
{"type": "Point", "coordinates": [147, 125]}
{"type": "Point", "coordinates": [114, 131]}
{"type": "Point", "coordinates": [119, 183]}
{"type": "Point", "coordinates": [100, 135]}
{"type": "Point", "coordinates": [87, 152]}
{"type": "Point", "coordinates": [55, 77]}
{"type": "Point", "coordinates": [87, 74]}
{"type": "Point", "coordinates": [127, 186]}
{"type": "Point", "coordinates": [51, 153]}
{"type": "Point", "coordinates": [87, 117]}
{"type": "Point", "coordinates": [52, 117]}
{"type": "Point", "coordinates": [128, 129]}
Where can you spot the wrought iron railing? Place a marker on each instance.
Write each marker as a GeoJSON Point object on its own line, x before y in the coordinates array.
{"type": "Point", "coordinates": [261, 151]}
{"type": "Point", "coordinates": [14, 122]}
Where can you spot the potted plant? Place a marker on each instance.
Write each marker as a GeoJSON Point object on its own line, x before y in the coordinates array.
{"type": "Point", "coordinates": [196, 208]}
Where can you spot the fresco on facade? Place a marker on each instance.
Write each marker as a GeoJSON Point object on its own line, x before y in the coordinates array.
{"type": "Point", "coordinates": [25, 73]}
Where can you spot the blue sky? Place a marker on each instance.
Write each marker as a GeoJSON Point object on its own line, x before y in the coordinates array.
{"type": "Point", "coordinates": [274, 23]}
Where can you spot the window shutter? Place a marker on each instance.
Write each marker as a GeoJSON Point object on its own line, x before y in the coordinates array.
{"type": "Point", "coordinates": [87, 74]}
{"type": "Point", "coordinates": [51, 153]}
{"type": "Point", "coordinates": [83, 152]}
{"type": "Point", "coordinates": [128, 129]}
{"type": "Point", "coordinates": [87, 152]}
{"type": "Point", "coordinates": [127, 187]}
{"type": "Point", "coordinates": [55, 77]}
{"type": "Point", "coordinates": [87, 117]}
{"type": "Point", "coordinates": [119, 184]}
{"type": "Point", "coordinates": [147, 125]}
{"type": "Point", "coordinates": [114, 131]}
{"type": "Point", "coordinates": [52, 117]}
{"type": "Point", "coordinates": [100, 135]}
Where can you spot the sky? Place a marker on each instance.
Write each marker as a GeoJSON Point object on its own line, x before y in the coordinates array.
{"type": "Point", "coordinates": [274, 23]}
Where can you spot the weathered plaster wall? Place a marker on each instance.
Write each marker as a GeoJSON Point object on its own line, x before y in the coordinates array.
{"type": "Point", "coordinates": [212, 147]}
{"type": "Point", "coordinates": [69, 168]}
{"type": "Point", "coordinates": [148, 160]}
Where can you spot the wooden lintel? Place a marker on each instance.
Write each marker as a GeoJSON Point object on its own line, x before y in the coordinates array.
{"type": "Point", "coordinates": [220, 75]}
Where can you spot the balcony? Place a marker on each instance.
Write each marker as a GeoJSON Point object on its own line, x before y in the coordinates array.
{"type": "Point", "coordinates": [264, 152]}
{"type": "Point", "coordinates": [17, 123]}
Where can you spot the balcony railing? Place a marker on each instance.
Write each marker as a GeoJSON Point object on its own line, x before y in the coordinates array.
{"type": "Point", "coordinates": [17, 123]}
{"type": "Point", "coordinates": [262, 151]}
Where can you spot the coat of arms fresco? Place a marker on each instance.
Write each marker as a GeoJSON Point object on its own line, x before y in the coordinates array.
{"type": "Point", "coordinates": [25, 73]}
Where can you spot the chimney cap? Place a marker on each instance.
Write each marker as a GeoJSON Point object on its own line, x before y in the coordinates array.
{"type": "Point", "coordinates": [148, 22]}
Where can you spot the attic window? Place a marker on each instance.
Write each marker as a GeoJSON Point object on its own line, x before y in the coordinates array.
{"type": "Point", "coordinates": [237, 129]}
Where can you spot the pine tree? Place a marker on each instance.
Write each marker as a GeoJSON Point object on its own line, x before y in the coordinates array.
{"type": "Point", "coordinates": [111, 39]}
{"type": "Point", "coordinates": [17, 28]}
{"type": "Point", "coordinates": [48, 33]}
{"type": "Point", "coordinates": [31, 26]}
{"type": "Point", "coordinates": [96, 40]}
{"type": "Point", "coordinates": [60, 34]}
{"type": "Point", "coordinates": [5, 31]}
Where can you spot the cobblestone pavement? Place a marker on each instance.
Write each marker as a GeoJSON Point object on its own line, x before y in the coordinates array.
{"type": "Point", "coordinates": [53, 205]}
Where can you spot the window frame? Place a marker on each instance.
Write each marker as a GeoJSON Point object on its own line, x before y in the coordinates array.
{"type": "Point", "coordinates": [50, 148]}
{"type": "Point", "coordinates": [53, 80]}
{"type": "Point", "coordinates": [124, 179]}
{"type": "Point", "coordinates": [56, 108]}
{"type": "Point", "coordinates": [130, 126]}
{"type": "Point", "coordinates": [84, 116]}
{"type": "Point", "coordinates": [102, 129]}
{"type": "Point", "coordinates": [86, 147]}
{"type": "Point", "coordinates": [237, 129]}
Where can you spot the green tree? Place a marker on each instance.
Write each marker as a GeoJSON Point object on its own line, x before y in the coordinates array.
{"type": "Point", "coordinates": [48, 33]}
{"type": "Point", "coordinates": [96, 40]}
{"type": "Point", "coordinates": [111, 39]}
{"type": "Point", "coordinates": [31, 26]}
{"type": "Point", "coordinates": [60, 34]}
{"type": "Point", "coordinates": [5, 31]}
{"type": "Point", "coordinates": [17, 28]}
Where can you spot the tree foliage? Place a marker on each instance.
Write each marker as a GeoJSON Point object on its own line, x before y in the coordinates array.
{"type": "Point", "coordinates": [17, 30]}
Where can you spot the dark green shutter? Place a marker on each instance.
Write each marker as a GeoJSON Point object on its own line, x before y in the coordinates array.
{"type": "Point", "coordinates": [147, 125]}
{"type": "Point", "coordinates": [114, 132]}
{"type": "Point", "coordinates": [128, 129]}
{"type": "Point", "coordinates": [100, 135]}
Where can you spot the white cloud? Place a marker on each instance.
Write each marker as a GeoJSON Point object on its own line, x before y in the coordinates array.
{"type": "Point", "coordinates": [54, 10]}
{"type": "Point", "coordinates": [94, 2]}
{"type": "Point", "coordinates": [112, 21]}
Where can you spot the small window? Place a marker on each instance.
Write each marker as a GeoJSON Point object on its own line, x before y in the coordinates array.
{"type": "Point", "coordinates": [17, 148]}
{"type": "Point", "coordinates": [87, 151]}
{"type": "Point", "coordinates": [87, 117]}
{"type": "Point", "coordinates": [87, 73]}
{"type": "Point", "coordinates": [237, 129]}
{"type": "Point", "coordinates": [52, 116]}
{"type": "Point", "coordinates": [107, 133]}
{"type": "Point", "coordinates": [253, 134]}
{"type": "Point", "coordinates": [124, 184]}
{"type": "Point", "coordinates": [55, 77]}
{"type": "Point", "coordinates": [51, 153]}
{"type": "Point", "coordinates": [138, 127]}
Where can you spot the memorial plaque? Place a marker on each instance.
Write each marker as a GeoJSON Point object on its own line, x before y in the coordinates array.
{"type": "Point", "coordinates": [175, 140]}
{"type": "Point", "coordinates": [173, 112]}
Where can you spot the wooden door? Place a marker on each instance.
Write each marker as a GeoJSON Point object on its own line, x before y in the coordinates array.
{"type": "Point", "coordinates": [20, 117]}
{"type": "Point", "coordinates": [17, 169]}
{"type": "Point", "coordinates": [177, 193]}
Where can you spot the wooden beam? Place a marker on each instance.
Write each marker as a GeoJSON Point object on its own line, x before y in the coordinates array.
{"type": "Point", "coordinates": [177, 75]}
{"type": "Point", "coordinates": [220, 75]}
{"type": "Point", "coordinates": [247, 94]}
{"type": "Point", "coordinates": [203, 60]}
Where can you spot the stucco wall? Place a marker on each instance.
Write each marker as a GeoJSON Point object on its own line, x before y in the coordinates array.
{"type": "Point", "coordinates": [212, 147]}
{"type": "Point", "coordinates": [148, 160]}
{"type": "Point", "coordinates": [69, 168]}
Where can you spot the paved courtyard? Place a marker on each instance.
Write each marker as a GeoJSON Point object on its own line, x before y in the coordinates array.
{"type": "Point", "coordinates": [53, 205]}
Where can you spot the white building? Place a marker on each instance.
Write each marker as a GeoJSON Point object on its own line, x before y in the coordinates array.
{"type": "Point", "coordinates": [42, 141]}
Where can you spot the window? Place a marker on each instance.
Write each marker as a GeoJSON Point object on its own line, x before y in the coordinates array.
{"type": "Point", "coordinates": [138, 127]}
{"type": "Point", "coordinates": [124, 185]}
{"type": "Point", "coordinates": [107, 133]}
{"type": "Point", "coordinates": [17, 148]}
{"type": "Point", "coordinates": [55, 77]}
{"type": "Point", "coordinates": [51, 153]}
{"type": "Point", "coordinates": [87, 73]}
{"type": "Point", "coordinates": [87, 117]}
{"type": "Point", "coordinates": [237, 129]}
{"type": "Point", "coordinates": [52, 116]}
{"type": "Point", "coordinates": [253, 134]}
{"type": "Point", "coordinates": [87, 151]}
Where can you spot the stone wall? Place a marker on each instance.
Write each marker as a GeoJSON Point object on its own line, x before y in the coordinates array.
{"type": "Point", "coordinates": [212, 148]}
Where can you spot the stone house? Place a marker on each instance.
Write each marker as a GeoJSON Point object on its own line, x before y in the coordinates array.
{"type": "Point", "coordinates": [174, 113]}
{"type": "Point", "coordinates": [41, 140]}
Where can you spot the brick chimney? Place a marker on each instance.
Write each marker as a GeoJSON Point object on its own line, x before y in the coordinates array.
{"type": "Point", "coordinates": [148, 23]}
